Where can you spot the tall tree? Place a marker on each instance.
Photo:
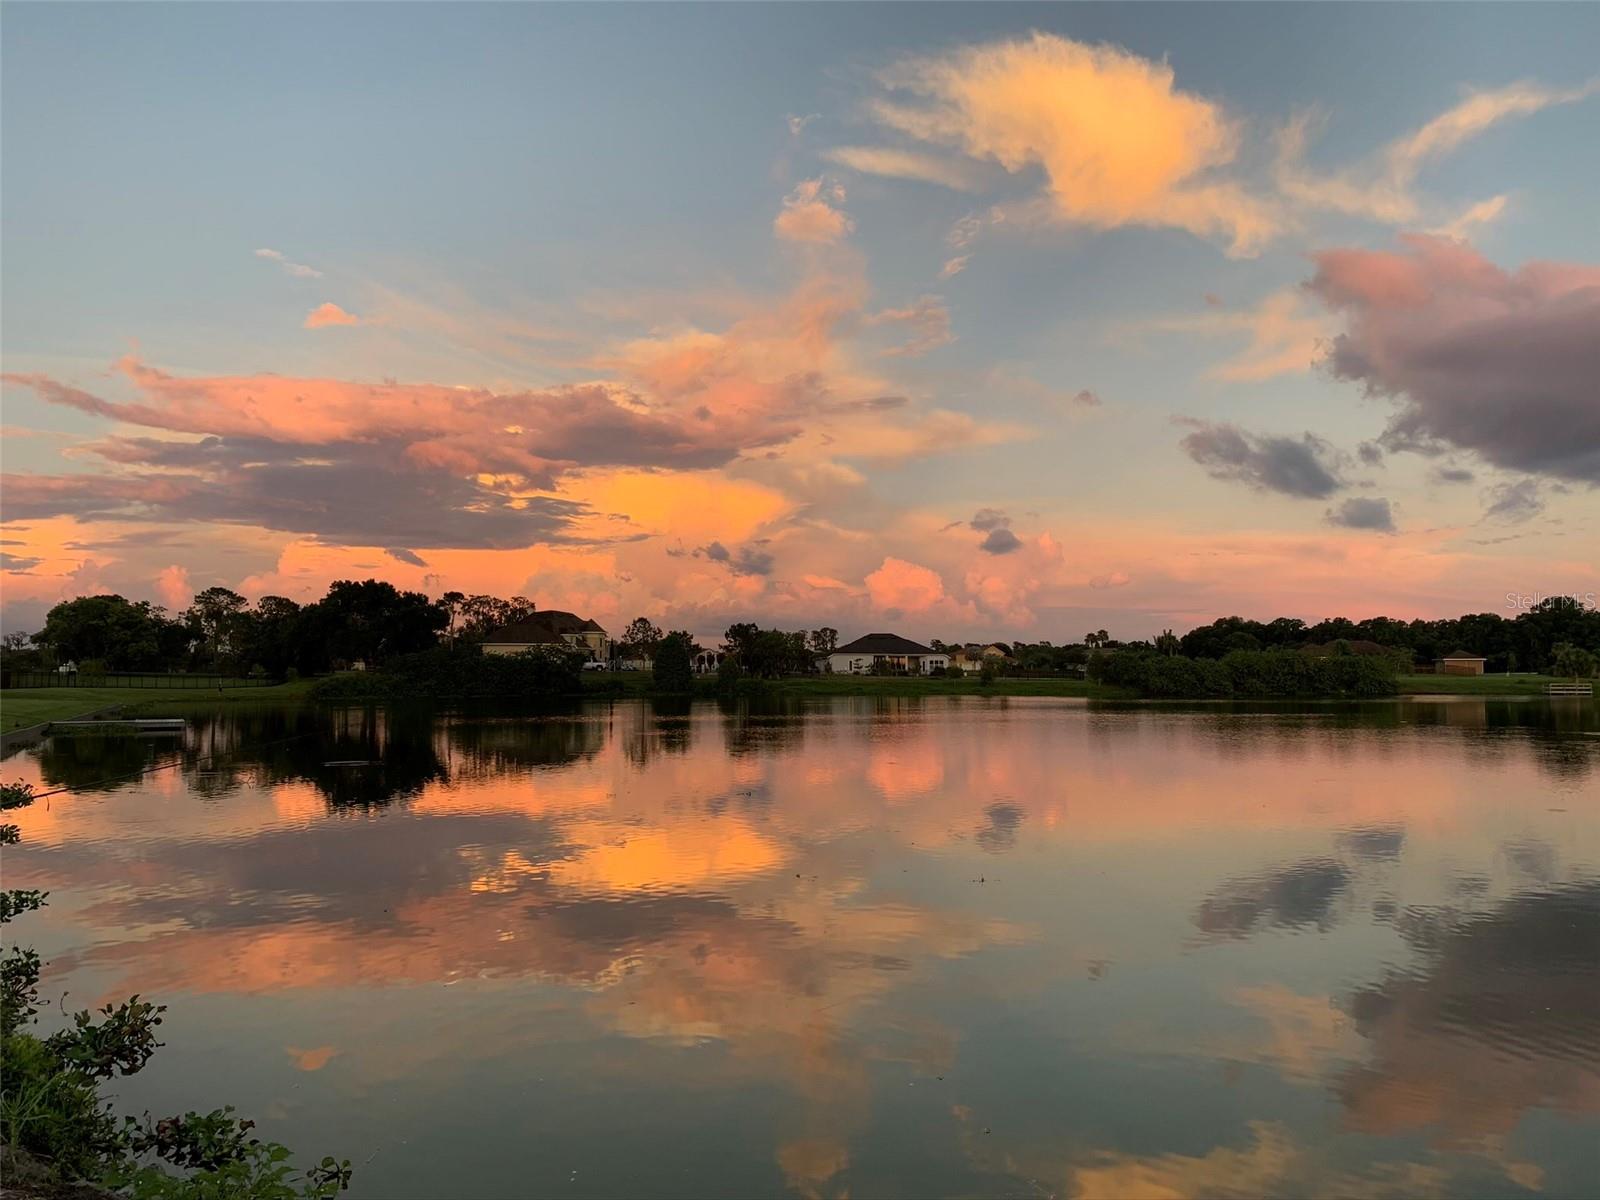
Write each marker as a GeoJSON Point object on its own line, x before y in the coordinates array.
{"type": "Point", "coordinates": [216, 619]}
{"type": "Point", "coordinates": [826, 640]}
{"type": "Point", "coordinates": [107, 629]}
{"type": "Point", "coordinates": [674, 670]}
{"type": "Point", "coordinates": [740, 639]}
{"type": "Point", "coordinates": [641, 639]}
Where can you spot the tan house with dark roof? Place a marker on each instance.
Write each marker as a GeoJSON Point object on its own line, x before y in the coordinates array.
{"type": "Point", "coordinates": [551, 629]}
{"type": "Point", "coordinates": [971, 657]}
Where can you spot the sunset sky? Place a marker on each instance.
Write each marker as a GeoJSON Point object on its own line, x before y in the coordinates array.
{"type": "Point", "coordinates": [952, 320]}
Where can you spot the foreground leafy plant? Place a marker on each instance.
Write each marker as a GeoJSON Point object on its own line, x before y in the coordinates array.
{"type": "Point", "coordinates": [53, 1121]}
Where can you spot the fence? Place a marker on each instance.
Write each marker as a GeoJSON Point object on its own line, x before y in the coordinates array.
{"type": "Point", "coordinates": [1569, 689]}
{"type": "Point", "coordinates": [129, 679]}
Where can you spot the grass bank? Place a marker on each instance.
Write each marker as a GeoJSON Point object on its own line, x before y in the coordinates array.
{"type": "Point", "coordinates": [22, 707]}
{"type": "Point", "coordinates": [1476, 685]}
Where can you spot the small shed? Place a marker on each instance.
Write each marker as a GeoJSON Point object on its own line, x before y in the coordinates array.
{"type": "Point", "coordinates": [1461, 663]}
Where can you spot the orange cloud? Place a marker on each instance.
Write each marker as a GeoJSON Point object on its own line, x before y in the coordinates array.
{"type": "Point", "coordinates": [329, 314]}
{"type": "Point", "coordinates": [694, 507]}
{"type": "Point", "coordinates": [312, 1060]}
{"type": "Point", "coordinates": [907, 164]}
{"type": "Point", "coordinates": [1383, 188]}
{"type": "Point", "coordinates": [1119, 144]}
{"type": "Point", "coordinates": [808, 214]}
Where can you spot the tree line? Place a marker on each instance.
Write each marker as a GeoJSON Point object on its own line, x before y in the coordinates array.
{"type": "Point", "coordinates": [221, 631]}
{"type": "Point", "coordinates": [373, 621]}
{"type": "Point", "coordinates": [1558, 628]}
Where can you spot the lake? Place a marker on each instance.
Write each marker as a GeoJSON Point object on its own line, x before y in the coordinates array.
{"type": "Point", "coordinates": [955, 946]}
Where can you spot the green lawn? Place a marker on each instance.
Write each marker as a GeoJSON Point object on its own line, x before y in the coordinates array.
{"type": "Point", "coordinates": [21, 707]}
{"type": "Point", "coordinates": [1476, 685]}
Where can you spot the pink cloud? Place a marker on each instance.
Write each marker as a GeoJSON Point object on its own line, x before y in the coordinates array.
{"type": "Point", "coordinates": [173, 588]}
{"type": "Point", "coordinates": [904, 586]}
{"type": "Point", "coordinates": [926, 319]}
{"type": "Point", "coordinates": [329, 314]}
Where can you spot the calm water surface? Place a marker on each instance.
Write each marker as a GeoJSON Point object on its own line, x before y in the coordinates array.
{"type": "Point", "coordinates": [903, 948]}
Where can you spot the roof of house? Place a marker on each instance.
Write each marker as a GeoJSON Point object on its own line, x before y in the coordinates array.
{"type": "Point", "coordinates": [533, 632]}
{"type": "Point", "coordinates": [564, 622]}
{"type": "Point", "coordinates": [884, 643]}
{"type": "Point", "coordinates": [542, 628]}
{"type": "Point", "coordinates": [1459, 655]}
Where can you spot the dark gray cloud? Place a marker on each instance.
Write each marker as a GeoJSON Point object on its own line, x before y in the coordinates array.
{"type": "Point", "coordinates": [396, 465]}
{"type": "Point", "coordinates": [400, 554]}
{"type": "Point", "coordinates": [1513, 502]}
{"type": "Point", "coordinates": [1000, 541]}
{"type": "Point", "coordinates": [18, 564]}
{"type": "Point", "coordinates": [1505, 365]}
{"type": "Point", "coordinates": [1306, 466]}
{"type": "Point", "coordinates": [355, 494]}
{"type": "Point", "coordinates": [996, 526]}
{"type": "Point", "coordinates": [1363, 512]}
{"type": "Point", "coordinates": [1452, 475]}
{"type": "Point", "coordinates": [746, 560]}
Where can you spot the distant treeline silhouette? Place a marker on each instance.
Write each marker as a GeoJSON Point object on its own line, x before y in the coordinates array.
{"type": "Point", "coordinates": [373, 622]}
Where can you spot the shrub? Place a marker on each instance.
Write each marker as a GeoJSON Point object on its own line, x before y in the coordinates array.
{"type": "Point", "coordinates": [1567, 659]}
{"type": "Point", "coordinates": [730, 674]}
{"type": "Point", "coordinates": [55, 1128]}
{"type": "Point", "coordinates": [1247, 674]}
{"type": "Point", "coordinates": [455, 672]}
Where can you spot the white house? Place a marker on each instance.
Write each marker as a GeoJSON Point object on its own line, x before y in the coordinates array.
{"type": "Point", "coordinates": [886, 654]}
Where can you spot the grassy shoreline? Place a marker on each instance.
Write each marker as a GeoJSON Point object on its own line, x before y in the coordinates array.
{"type": "Point", "coordinates": [25, 707]}
{"type": "Point", "coordinates": [21, 708]}
{"type": "Point", "coordinates": [1476, 685]}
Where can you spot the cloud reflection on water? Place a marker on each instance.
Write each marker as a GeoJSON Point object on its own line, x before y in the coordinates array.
{"type": "Point", "coordinates": [842, 900]}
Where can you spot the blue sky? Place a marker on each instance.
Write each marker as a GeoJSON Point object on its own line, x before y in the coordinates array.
{"type": "Point", "coordinates": [521, 200]}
